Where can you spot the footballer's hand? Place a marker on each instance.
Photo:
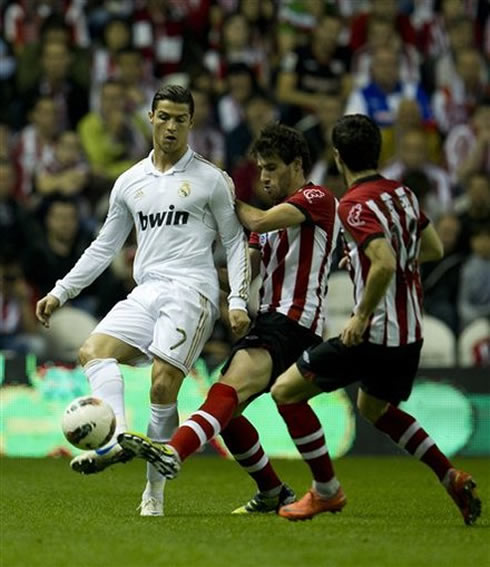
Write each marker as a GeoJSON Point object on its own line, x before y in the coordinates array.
{"type": "Point", "coordinates": [239, 322]}
{"type": "Point", "coordinates": [353, 332]}
{"type": "Point", "coordinates": [45, 307]}
{"type": "Point", "coordinates": [344, 263]}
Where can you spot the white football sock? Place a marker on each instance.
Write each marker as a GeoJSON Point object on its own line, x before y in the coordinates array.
{"type": "Point", "coordinates": [106, 383]}
{"type": "Point", "coordinates": [272, 492]}
{"type": "Point", "coordinates": [164, 420]}
{"type": "Point", "coordinates": [326, 489]}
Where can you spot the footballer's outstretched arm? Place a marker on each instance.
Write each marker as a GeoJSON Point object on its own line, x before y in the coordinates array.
{"type": "Point", "coordinates": [100, 253]}
{"type": "Point", "coordinates": [280, 216]}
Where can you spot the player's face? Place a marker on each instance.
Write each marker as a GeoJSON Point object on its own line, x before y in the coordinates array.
{"type": "Point", "coordinates": [275, 176]}
{"type": "Point", "coordinates": [171, 124]}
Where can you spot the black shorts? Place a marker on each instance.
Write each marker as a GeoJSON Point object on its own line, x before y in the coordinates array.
{"type": "Point", "coordinates": [386, 373]}
{"type": "Point", "coordinates": [282, 337]}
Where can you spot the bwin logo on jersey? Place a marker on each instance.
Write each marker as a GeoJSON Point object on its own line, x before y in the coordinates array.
{"type": "Point", "coordinates": [167, 218]}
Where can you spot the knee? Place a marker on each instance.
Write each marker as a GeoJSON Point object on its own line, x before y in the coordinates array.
{"type": "Point", "coordinates": [87, 352]}
{"type": "Point", "coordinates": [281, 393]}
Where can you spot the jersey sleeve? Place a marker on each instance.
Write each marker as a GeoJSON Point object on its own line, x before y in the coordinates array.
{"type": "Point", "coordinates": [316, 203]}
{"type": "Point", "coordinates": [360, 222]}
{"type": "Point", "coordinates": [254, 240]}
{"type": "Point", "coordinates": [100, 253]}
{"type": "Point", "coordinates": [222, 204]}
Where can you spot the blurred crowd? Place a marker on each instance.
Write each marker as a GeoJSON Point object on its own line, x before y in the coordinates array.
{"type": "Point", "coordinates": [76, 82]}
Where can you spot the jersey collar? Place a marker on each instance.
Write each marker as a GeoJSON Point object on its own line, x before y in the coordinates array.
{"type": "Point", "coordinates": [373, 177]}
{"type": "Point", "coordinates": [180, 165]}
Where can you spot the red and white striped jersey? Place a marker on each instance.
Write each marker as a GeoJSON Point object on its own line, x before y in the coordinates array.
{"type": "Point", "coordinates": [296, 260]}
{"type": "Point", "coordinates": [377, 207]}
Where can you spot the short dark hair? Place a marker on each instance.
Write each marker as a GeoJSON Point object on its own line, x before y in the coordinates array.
{"type": "Point", "coordinates": [284, 142]}
{"type": "Point", "coordinates": [174, 93]}
{"type": "Point", "coordinates": [358, 141]}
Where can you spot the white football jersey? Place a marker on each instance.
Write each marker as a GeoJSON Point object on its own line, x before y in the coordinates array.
{"type": "Point", "coordinates": [177, 215]}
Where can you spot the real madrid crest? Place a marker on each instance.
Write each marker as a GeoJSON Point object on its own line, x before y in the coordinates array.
{"type": "Point", "coordinates": [185, 189]}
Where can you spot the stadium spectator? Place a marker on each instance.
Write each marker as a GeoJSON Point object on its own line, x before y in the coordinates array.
{"type": "Point", "coordinates": [169, 34]}
{"type": "Point", "coordinates": [385, 234]}
{"type": "Point", "coordinates": [384, 10]}
{"type": "Point", "coordinates": [300, 233]}
{"type": "Point", "coordinates": [454, 103]}
{"type": "Point", "coordinates": [67, 171]}
{"type": "Point", "coordinates": [18, 324]}
{"type": "Point", "coordinates": [317, 129]}
{"type": "Point", "coordinates": [138, 85]}
{"type": "Point", "coordinates": [284, 41]}
{"type": "Point", "coordinates": [412, 154]}
{"type": "Point", "coordinates": [408, 117]}
{"type": "Point", "coordinates": [432, 22]}
{"type": "Point", "coordinates": [473, 207]}
{"type": "Point", "coordinates": [312, 71]}
{"type": "Point", "coordinates": [237, 45]}
{"type": "Point", "coordinates": [61, 243]}
{"type": "Point", "coordinates": [53, 30]}
{"type": "Point", "coordinates": [474, 297]}
{"type": "Point", "coordinates": [17, 228]}
{"type": "Point", "coordinates": [241, 84]}
{"type": "Point", "coordinates": [204, 137]}
{"type": "Point", "coordinates": [382, 33]}
{"type": "Point", "coordinates": [71, 99]}
{"type": "Point", "coordinates": [112, 139]}
{"type": "Point", "coordinates": [34, 145]}
{"type": "Point", "coordinates": [381, 98]}
{"type": "Point", "coordinates": [467, 146]}
{"type": "Point", "coordinates": [173, 308]}
{"type": "Point", "coordinates": [259, 111]}
{"type": "Point", "coordinates": [261, 17]}
{"type": "Point", "coordinates": [116, 37]}
{"type": "Point", "coordinates": [24, 22]}
{"type": "Point", "coordinates": [440, 71]}
{"type": "Point", "coordinates": [440, 279]}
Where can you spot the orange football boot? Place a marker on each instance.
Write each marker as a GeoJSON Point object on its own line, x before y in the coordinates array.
{"type": "Point", "coordinates": [312, 504]}
{"type": "Point", "coordinates": [462, 489]}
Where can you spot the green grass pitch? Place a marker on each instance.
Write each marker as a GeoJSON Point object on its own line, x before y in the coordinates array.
{"type": "Point", "coordinates": [397, 515]}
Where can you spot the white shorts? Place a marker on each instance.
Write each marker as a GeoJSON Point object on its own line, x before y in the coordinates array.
{"type": "Point", "coordinates": [163, 319]}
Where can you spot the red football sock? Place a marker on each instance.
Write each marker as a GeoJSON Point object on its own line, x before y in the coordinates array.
{"type": "Point", "coordinates": [242, 439]}
{"type": "Point", "coordinates": [207, 422]}
{"type": "Point", "coordinates": [406, 432]}
{"type": "Point", "coordinates": [307, 434]}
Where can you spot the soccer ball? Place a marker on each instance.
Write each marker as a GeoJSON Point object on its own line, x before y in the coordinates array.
{"type": "Point", "coordinates": [88, 423]}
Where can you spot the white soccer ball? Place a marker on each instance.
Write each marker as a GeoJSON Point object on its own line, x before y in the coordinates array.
{"type": "Point", "coordinates": [88, 423]}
